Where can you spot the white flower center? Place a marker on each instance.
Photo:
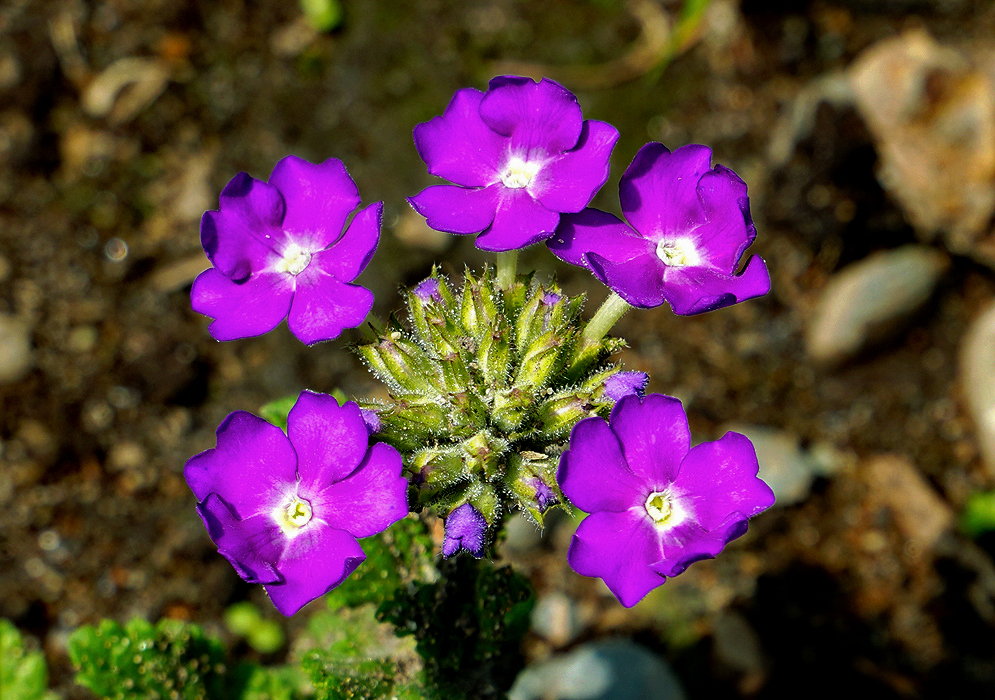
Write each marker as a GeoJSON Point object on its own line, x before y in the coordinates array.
{"type": "Point", "coordinates": [295, 259]}
{"type": "Point", "coordinates": [659, 507]}
{"type": "Point", "coordinates": [679, 253]}
{"type": "Point", "coordinates": [295, 515]}
{"type": "Point", "coordinates": [519, 173]}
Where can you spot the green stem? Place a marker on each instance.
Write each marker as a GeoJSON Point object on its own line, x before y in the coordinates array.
{"type": "Point", "coordinates": [507, 264]}
{"type": "Point", "coordinates": [607, 316]}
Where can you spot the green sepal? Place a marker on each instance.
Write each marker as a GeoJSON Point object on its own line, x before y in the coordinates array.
{"type": "Point", "coordinates": [484, 452]}
{"type": "Point", "coordinates": [523, 472]}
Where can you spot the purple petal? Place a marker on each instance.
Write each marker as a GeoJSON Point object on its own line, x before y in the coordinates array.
{"type": "Point", "coordinates": [619, 548]}
{"type": "Point", "coordinates": [253, 546]}
{"type": "Point", "coordinates": [240, 238]}
{"type": "Point", "coordinates": [457, 209]}
{"type": "Point", "coordinates": [316, 560]}
{"type": "Point", "coordinates": [654, 435]}
{"type": "Point", "coordinates": [520, 221]}
{"type": "Point", "coordinates": [593, 473]}
{"type": "Point", "coordinates": [319, 198]}
{"type": "Point", "coordinates": [569, 182]}
{"type": "Point", "coordinates": [593, 230]}
{"type": "Point", "coordinates": [323, 306]}
{"type": "Point", "coordinates": [639, 281]}
{"type": "Point", "coordinates": [719, 478]}
{"type": "Point", "coordinates": [622, 384]}
{"type": "Point", "coordinates": [252, 468]}
{"type": "Point", "coordinates": [350, 255]}
{"type": "Point", "coordinates": [728, 228]}
{"type": "Point", "coordinates": [330, 440]}
{"type": "Point", "coordinates": [689, 542]}
{"type": "Point", "coordinates": [368, 501]}
{"type": "Point", "coordinates": [542, 119]}
{"type": "Point", "coordinates": [458, 146]}
{"type": "Point", "coordinates": [466, 529]}
{"type": "Point", "coordinates": [242, 309]}
{"type": "Point", "coordinates": [659, 191]}
{"type": "Point", "coordinates": [694, 290]}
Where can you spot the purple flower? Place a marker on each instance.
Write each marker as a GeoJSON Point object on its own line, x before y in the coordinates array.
{"type": "Point", "coordinates": [279, 251]}
{"type": "Point", "coordinates": [466, 529]}
{"type": "Point", "coordinates": [688, 227]}
{"type": "Point", "coordinates": [521, 154]}
{"type": "Point", "coordinates": [286, 509]}
{"type": "Point", "coordinates": [656, 505]}
{"type": "Point", "coordinates": [622, 384]}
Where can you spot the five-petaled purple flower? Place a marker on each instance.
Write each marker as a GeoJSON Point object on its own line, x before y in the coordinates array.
{"type": "Point", "coordinates": [656, 504]}
{"type": "Point", "coordinates": [520, 155]}
{"type": "Point", "coordinates": [466, 529]}
{"type": "Point", "coordinates": [689, 225]}
{"type": "Point", "coordinates": [286, 509]}
{"type": "Point", "coordinates": [279, 251]}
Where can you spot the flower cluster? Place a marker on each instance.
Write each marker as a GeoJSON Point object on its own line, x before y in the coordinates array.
{"type": "Point", "coordinates": [500, 397]}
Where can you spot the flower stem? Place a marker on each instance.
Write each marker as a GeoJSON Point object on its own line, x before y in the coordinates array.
{"type": "Point", "coordinates": [507, 264]}
{"type": "Point", "coordinates": [607, 316]}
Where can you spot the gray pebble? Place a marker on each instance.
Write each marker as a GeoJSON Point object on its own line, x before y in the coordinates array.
{"type": "Point", "coordinates": [614, 669]}
{"type": "Point", "coordinates": [866, 299]}
{"type": "Point", "coordinates": [784, 465]}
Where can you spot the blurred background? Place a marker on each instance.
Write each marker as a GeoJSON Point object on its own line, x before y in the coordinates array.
{"type": "Point", "coordinates": [866, 378]}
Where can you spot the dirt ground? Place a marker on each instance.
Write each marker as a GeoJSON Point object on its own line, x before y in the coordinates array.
{"type": "Point", "coordinates": [121, 120]}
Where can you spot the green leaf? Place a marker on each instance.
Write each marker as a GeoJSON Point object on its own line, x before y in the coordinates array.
{"type": "Point", "coordinates": [979, 514]}
{"type": "Point", "coordinates": [276, 412]}
{"type": "Point", "coordinates": [139, 661]}
{"type": "Point", "coordinates": [23, 673]}
{"type": "Point", "coordinates": [323, 15]}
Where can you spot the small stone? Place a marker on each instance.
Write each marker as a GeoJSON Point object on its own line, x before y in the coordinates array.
{"type": "Point", "coordinates": [556, 619]}
{"type": "Point", "coordinates": [522, 534]}
{"type": "Point", "coordinates": [784, 465]}
{"type": "Point", "coordinates": [977, 370]}
{"type": "Point", "coordinates": [615, 669]}
{"type": "Point", "coordinates": [920, 513]}
{"type": "Point", "coordinates": [106, 96]}
{"type": "Point", "coordinates": [931, 112]}
{"type": "Point", "coordinates": [869, 298]}
{"type": "Point", "coordinates": [16, 356]}
{"type": "Point", "coordinates": [737, 646]}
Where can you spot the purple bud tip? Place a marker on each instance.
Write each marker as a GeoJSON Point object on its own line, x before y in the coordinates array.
{"type": "Point", "coordinates": [428, 289]}
{"type": "Point", "coordinates": [551, 299]}
{"type": "Point", "coordinates": [623, 384]}
{"type": "Point", "coordinates": [544, 495]}
{"type": "Point", "coordinates": [465, 529]}
{"type": "Point", "coordinates": [371, 419]}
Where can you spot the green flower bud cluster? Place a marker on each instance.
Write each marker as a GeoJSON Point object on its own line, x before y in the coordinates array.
{"type": "Point", "coordinates": [484, 389]}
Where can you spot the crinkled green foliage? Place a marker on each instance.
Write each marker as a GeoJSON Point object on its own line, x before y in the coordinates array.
{"type": "Point", "coordinates": [23, 673]}
{"type": "Point", "coordinates": [468, 627]}
{"type": "Point", "coordinates": [172, 660]}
